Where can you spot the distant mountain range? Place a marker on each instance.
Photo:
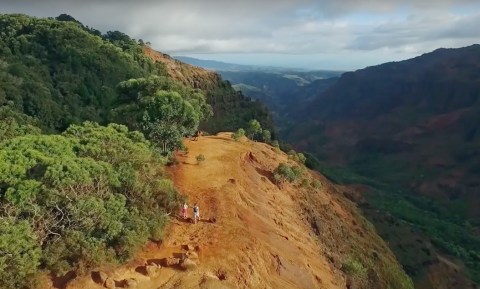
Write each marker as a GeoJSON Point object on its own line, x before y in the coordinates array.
{"type": "Point", "coordinates": [225, 66]}
{"type": "Point", "coordinates": [411, 131]}
{"type": "Point", "coordinates": [279, 87]}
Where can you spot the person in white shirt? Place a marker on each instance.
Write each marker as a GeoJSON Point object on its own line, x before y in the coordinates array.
{"type": "Point", "coordinates": [196, 213]}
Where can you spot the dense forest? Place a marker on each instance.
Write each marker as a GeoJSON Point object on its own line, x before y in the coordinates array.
{"type": "Point", "coordinates": [87, 124]}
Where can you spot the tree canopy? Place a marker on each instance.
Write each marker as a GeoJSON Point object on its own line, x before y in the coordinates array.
{"type": "Point", "coordinates": [91, 195]}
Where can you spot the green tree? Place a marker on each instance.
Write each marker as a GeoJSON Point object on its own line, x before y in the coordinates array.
{"type": "Point", "coordinates": [266, 135]}
{"type": "Point", "coordinates": [253, 128]}
{"type": "Point", "coordinates": [238, 134]}
{"type": "Point", "coordinates": [276, 145]}
{"type": "Point", "coordinates": [168, 118]}
{"type": "Point", "coordinates": [91, 195]}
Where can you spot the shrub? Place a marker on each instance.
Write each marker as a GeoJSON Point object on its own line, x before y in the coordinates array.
{"type": "Point", "coordinates": [284, 173]}
{"type": "Point", "coordinates": [297, 171]}
{"type": "Point", "coordinates": [304, 183]}
{"type": "Point", "coordinates": [301, 158]}
{"type": "Point", "coordinates": [276, 145]}
{"type": "Point", "coordinates": [292, 154]}
{"type": "Point", "coordinates": [298, 157]}
{"type": "Point", "coordinates": [266, 136]}
{"type": "Point", "coordinates": [354, 268]}
{"type": "Point", "coordinates": [92, 195]}
{"type": "Point", "coordinates": [200, 158]}
{"type": "Point", "coordinates": [316, 184]}
{"type": "Point", "coordinates": [238, 134]}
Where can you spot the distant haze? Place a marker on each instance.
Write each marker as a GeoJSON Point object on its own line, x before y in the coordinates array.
{"type": "Point", "coordinates": [328, 34]}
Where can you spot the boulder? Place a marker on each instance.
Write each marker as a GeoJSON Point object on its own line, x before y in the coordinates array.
{"type": "Point", "coordinates": [131, 283]}
{"type": "Point", "coordinates": [188, 265]}
{"type": "Point", "coordinates": [171, 261]}
{"type": "Point", "coordinates": [192, 255]}
{"type": "Point", "coordinates": [109, 283]}
{"type": "Point", "coordinates": [99, 277]}
{"type": "Point", "coordinates": [151, 270]}
{"type": "Point", "coordinates": [103, 276]}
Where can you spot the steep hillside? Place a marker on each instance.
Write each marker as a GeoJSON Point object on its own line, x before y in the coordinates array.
{"type": "Point", "coordinates": [255, 233]}
{"type": "Point", "coordinates": [231, 109]}
{"type": "Point", "coordinates": [410, 129]}
{"type": "Point", "coordinates": [283, 91]}
{"type": "Point", "coordinates": [62, 72]}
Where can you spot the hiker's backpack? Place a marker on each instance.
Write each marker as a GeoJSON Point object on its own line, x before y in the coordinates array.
{"type": "Point", "coordinates": [195, 209]}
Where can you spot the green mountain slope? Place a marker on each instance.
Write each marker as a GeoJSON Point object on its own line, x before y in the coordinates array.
{"type": "Point", "coordinates": [83, 195]}
{"type": "Point", "coordinates": [61, 72]}
{"type": "Point", "coordinates": [410, 130]}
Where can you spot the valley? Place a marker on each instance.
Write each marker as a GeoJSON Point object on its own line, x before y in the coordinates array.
{"type": "Point", "coordinates": [305, 178]}
{"type": "Point", "coordinates": [409, 131]}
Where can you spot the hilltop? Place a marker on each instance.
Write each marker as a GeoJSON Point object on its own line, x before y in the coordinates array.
{"type": "Point", "coordinates": [264, 235]}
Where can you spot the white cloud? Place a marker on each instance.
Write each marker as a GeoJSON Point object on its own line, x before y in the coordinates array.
{"type": "Point", "coordinates": [396, 29]}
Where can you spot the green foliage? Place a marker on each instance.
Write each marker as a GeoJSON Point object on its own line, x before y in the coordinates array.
{"type": "Point", "coordinates": [254, 128]}
{"type": "Point", "coordinates": [301, 158]}
{"type": "Point", "coordinates": [200, 158]}
{"type": "Point", "coordinates": [19, 253]}
{"type": "Point", "coordinates": [167, 119]}
{"type": "Point", "coordinates": [232, 110]}
{"type": "Point", "coordinates": [60, 72]}
{"type": "Point", "coordinates": [298, 157]}
{"type": "Point", "coordinates": [452, 238]}
{"type": "Point", "coordinates": [238, 134]}
{"type": "Point", "coordinates": [354, 268]}
{"type": "Point", "coordinates": [276, 145]}
{"type": "Point", "coordinates": [286, 173]}
{"type": "Point", "coordinates": [165, 111]}
{"type": "Point", "coordinates": [91, 195]}
{"type": "Point", "coordinates": [316, 184]}
{"type": "Point", "coordinates": [266, 136]}
{"type": "Point", "coordinates": [447, 232]}
{"type": "Point", "coordinates": [396, 278]}
{"type": "Point", "coordinates": [304, 183]}
{"type": "Point", "coordinates": [14, 123]}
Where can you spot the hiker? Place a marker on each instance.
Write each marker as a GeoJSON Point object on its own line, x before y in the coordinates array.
{"type": "Point", "coordinates": [184, 211]}
{"type": "Point", "coordinates": [196, 213]}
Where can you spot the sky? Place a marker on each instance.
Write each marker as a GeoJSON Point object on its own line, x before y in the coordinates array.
{"type": "Point", "coordinates": [322, 34]}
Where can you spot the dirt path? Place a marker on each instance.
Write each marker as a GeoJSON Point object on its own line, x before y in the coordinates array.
{"type": "Point", "coordinates": [258, 240]}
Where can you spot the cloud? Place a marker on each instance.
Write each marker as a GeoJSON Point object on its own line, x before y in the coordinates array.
{"type": "Point", "coordinates": [422, 32]}
{"type": "Point", "coordinates": [290, 27]}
